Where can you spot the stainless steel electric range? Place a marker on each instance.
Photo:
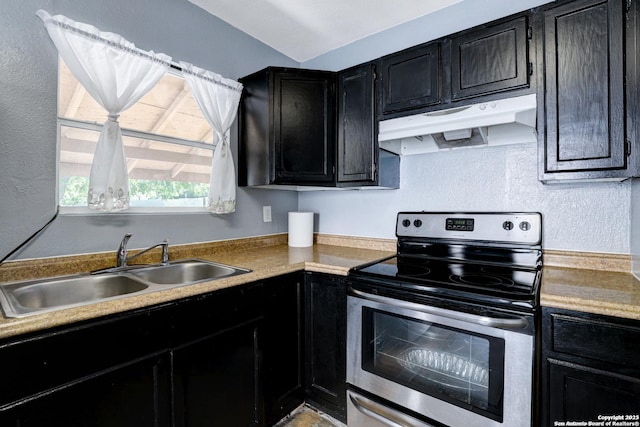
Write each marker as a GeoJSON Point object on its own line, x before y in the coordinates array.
{"type": "Point", "coordinates": [443, 333]}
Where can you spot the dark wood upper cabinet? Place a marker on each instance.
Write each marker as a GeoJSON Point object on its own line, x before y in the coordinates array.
{"type": "Point", "coordinates": [287, 128]}
{"type": "Point", "coordinates": [490, 59]}
{"type": "Point", "coordinates": [411, 78]}
{"type": "Point", "coordinates": [304, 127]}
{"type": "Point", "coordinates": [357, 135]}
{"type": "Point", "coordinates": [582, 134]}
{"type": "Point", "coordinates": [312, 128]}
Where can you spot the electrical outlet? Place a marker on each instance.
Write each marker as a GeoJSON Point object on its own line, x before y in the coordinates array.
{"type": "Point", "coordinates": [266, 214]}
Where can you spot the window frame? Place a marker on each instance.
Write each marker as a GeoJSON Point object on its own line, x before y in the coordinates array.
{"type": "Point", "coordinates": [126, 132]}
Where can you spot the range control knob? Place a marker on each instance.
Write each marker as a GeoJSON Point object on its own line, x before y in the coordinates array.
{"type": "Point", "coordinates": [417, 223]}
{"type": "Point", "coordinates": [507, 225]}
{"type": "Point", "coordinates": [525, 226]}
{"type": "Point", "coordinates": [406, 222]}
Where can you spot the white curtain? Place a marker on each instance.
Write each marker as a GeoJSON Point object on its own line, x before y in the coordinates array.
{"type": "Point", "coordinates": [117, 75]}
{"type": "Point", "coordinates": [218, 99]}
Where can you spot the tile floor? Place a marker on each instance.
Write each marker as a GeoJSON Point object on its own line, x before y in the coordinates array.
{"type": "Point", "coordinates": [306, 416]}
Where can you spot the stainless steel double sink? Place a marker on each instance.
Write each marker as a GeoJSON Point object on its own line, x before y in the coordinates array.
{"type": "Point", "coordinates": [20, 299]}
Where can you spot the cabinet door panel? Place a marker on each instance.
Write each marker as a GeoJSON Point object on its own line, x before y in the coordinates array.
{"type": "Point", "coordinates": [216, 380]}
{"type": "Point", "coordinates": [303, 128]}
{"type": "Point", "coordinates": [584, 82]}
{"type": "Point", "coordinates": [490, 60]}
{"type": "Point", "coordinates": [579, 393]}
{"type": "Point", "coordinates": [602, 337]}
{"type": "Point", "coordinates": [64, 355]}
{"type": "Point", "coordinates": [411, 79]}
{"type": "Point", "coordinates": [325, 313]}
{"type": "Point", "coordinates": [356, 125]}
{"type": "Point", "coordinates": [283, 346]}
{"type": "Point", "coordinates": [134, 395]}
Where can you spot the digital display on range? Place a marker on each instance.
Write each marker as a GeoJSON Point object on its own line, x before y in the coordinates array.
{"type": "Point", "coordinates": [459, 224]}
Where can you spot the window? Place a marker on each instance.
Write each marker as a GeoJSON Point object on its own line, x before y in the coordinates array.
{"type": "Point", "coordinates": [168, 144]}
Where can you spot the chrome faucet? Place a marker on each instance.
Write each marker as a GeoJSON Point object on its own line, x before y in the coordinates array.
{"type": "Point", "coordinates": [122, 251]}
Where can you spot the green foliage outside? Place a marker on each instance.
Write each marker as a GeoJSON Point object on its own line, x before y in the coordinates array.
{"type": "Point", "coordinates": [74, 190]}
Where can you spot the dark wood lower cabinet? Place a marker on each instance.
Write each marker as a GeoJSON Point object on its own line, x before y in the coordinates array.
{"type": "Point", "coordinates": [134, 395]}
{"type": "Point", "coordinates": [217, 379]}
{"type": "Point", "coordinates": [325, 325]}
{"type": "Point", "coordinates": [241, 356]}
{"type": "Point", "coordinates": [283, 360]}
{"type": "Point", "coordinates": [590, 366]}
{"type": "Point", "coordinates": [582, 393]}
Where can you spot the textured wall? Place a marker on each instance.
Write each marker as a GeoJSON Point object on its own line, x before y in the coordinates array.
{"type": "Point", "coordinates": [28, 77]}
{"type": "Point", "coordinates": [578, 217]}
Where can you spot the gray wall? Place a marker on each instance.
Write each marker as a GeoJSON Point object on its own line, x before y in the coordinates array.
{"type": "Point", "coordinates": [28, 77]}
{"type": "Point", "coordinates": [581, 217]}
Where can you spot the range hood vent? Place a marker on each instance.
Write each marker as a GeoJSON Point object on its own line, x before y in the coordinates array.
{"type": "Point", "coordinates": [500, 122]}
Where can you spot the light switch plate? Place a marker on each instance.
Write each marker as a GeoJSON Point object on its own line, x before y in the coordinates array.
{"type": "Point", "coordinates": [266, 214]}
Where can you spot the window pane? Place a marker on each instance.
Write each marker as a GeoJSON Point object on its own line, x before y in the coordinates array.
{"type": "Point", "coordinates": [160, 173]}
{"type": "Point", "coordinates": [167, 109]}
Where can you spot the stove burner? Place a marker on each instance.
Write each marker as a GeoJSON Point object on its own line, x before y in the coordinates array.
{"type": "Point", "coordinates": [481, 280]}
{"type": "Point", "coordinates": [413, 271]}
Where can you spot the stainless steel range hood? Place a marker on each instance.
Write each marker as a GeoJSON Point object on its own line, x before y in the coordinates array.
{"type": "Point", "coordinates": [500, 122]}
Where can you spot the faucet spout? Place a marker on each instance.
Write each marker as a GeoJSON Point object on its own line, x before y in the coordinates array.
{"type": "Point", "coordinates": [122, 251]}
{"type": "Point", "coordinates": [123, 259]}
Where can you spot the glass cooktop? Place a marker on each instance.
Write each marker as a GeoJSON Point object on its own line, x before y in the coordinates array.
{"type": "Point", "coordinates": [488, 279]}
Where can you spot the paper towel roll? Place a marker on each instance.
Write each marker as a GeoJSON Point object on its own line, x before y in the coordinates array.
{"type": "Point", "coordinates": [300, 229]}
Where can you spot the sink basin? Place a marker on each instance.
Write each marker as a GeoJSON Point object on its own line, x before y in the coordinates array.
{"type": "Point", "coordinates": [42, 295]}
{"type": "Point", "coordinates": [186, 272]}
{"type": "Point", "coordinates": [20, 299]}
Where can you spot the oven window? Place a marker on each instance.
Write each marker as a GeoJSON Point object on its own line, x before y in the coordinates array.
{"type": "Point", "coordinates": [453, 365]}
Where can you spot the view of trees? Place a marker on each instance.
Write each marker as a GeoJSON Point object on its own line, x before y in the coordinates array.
{"type": "Point", "coordinates": [74, 190]}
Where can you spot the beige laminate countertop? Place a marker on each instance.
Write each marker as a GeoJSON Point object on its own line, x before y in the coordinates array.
{"type": "Point", "coordinates": [592, 288]}
{"type": "Point", "coordinates": [610, 293]}
{"type": "Point", "coordinates": [265, 261]}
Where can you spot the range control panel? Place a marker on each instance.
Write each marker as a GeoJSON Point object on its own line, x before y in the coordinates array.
{"type": "Point", "coordinates": [512, 227]}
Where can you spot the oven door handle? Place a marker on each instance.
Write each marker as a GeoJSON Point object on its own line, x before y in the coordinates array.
{"type": "Point", "coordinates": [386, 416]}
{"type": "Point", "coordinates": [510, 323]}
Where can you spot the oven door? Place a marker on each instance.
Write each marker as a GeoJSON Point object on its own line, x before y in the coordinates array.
{"type": "Point", "coordinates": [453, 367]}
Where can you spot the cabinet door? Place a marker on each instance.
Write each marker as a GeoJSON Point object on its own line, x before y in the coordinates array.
{"type": "Point", "coordinates": [584, 91]}
{"type": "Point", "coordinates": [304, 127]}
{"type": "Point", "coordinates": [216, 380]}
{"type": "Point", "coordinates": [411, 78]}
{"type": "Point", "coordinates": [580, 393]}
{"type": "Point", "coordinates": [325, 314]}
{"type": "Point", "coordinates": [490, 59]}
{"type": "Point", "coordinates": [283, 346]}
{"type": "Point", "coordinates": [357, 139]}
{"type": "Point", "coordinates": [134, 395]}
{"type": "Point", "coordinates": [590, 366]}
